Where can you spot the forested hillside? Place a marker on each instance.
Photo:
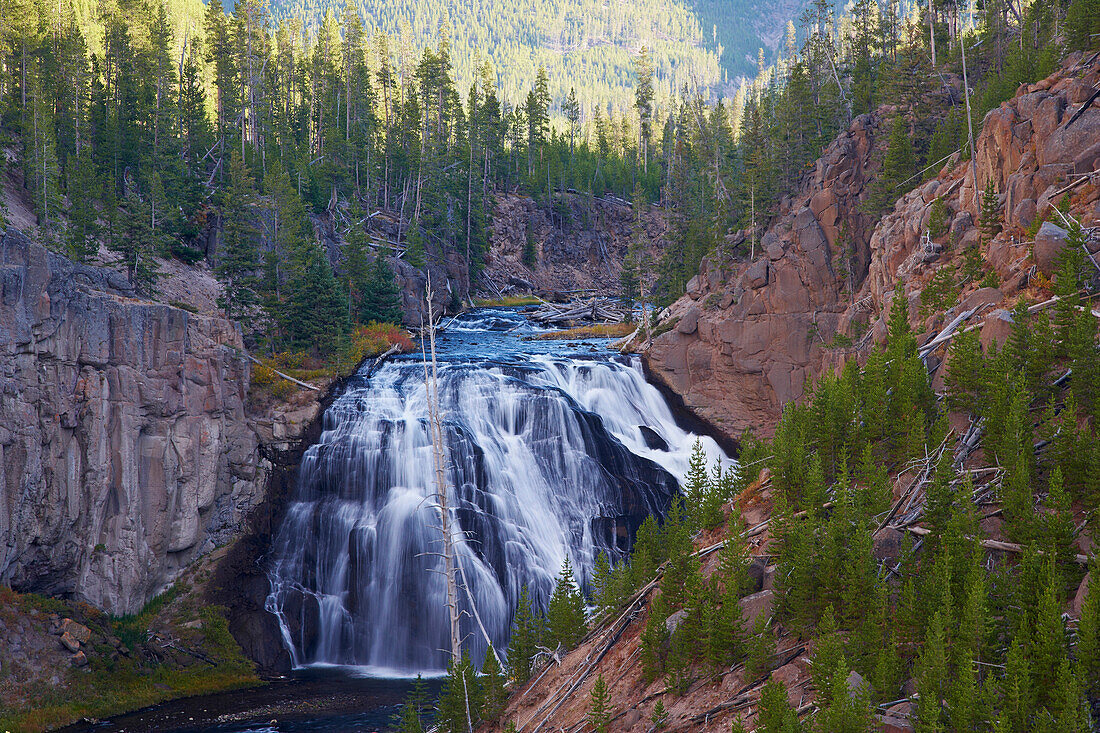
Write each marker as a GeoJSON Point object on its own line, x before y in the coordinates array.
{"type": "Point", "coordinates": [585, 45]}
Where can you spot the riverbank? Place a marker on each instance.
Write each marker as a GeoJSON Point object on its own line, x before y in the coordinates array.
{"type": "Point", "coordinates": [68, 661]}
{"type": "Point", "coordinates": [309, 700]}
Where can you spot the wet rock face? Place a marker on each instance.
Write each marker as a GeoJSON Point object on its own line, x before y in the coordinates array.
{"type": "Point", "coordinates": [125, 450]}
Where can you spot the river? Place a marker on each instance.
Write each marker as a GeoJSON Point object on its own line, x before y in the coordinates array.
{"type": "Point", "coordinates": [555, 449]}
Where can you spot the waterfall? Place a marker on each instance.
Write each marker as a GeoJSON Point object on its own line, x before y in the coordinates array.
{"type": "Point", "coordinates": [551, 453]}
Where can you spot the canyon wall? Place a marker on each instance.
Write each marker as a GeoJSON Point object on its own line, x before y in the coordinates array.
{"type": "Point", "coordinates": [748, 336]}
{"type": "Point", "coordinates": [125, 448]}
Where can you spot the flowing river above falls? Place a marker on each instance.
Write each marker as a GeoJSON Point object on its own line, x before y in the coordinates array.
{"type": "Point", "coordinates": [554, 449]}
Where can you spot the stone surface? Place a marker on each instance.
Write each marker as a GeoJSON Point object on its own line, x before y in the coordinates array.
{"type": "Point", "coordinates": [78, 631]}
{"type": "Point", "coordinates": [673, 622]}
{"type": "Point", "coordinates": [757, 275]}
{"type": "Point", "coordinates": [1049, 243]}
{"type": "Point", "coordinates": [756, 605]}
{"type": "Point", "coordinates": [124, 445]}
{"type": "Point", "coordinates": [69, 642]}
{"type": "Point", "coordinates": [755, 353]}
{"type": "Point", "coordinates": [689, 322]}
{"type": "Point", "coordinates": [1080, 595]}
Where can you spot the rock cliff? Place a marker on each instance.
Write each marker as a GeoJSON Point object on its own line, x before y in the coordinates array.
{"type": "Point", "coordinates": [125, 449]}
{"type": "Point", "coordinates": [747, 336]}
{"type": "Point", "coordinates": [580, 245]}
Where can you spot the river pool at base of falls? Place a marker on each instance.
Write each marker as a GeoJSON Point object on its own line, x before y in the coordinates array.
{"type": "Point", "coordinates": [555, 450]}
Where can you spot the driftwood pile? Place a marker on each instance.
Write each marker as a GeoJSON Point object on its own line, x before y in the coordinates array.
{"type": "Point", "coordinates": [579, 312]}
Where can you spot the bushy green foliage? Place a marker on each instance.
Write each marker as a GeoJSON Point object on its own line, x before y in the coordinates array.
{"type": "Point", "coordinates": [565, 615]}
{"type": "Point", "coordinates": [528, 629]}
{"type": "Point", "coordinates": [461, 698]}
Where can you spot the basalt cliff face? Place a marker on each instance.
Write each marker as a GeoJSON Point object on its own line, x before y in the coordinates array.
{"type": "Point", "coordinates": [748, 335]}
{"type": "Point", "coordinates": [125, 448]}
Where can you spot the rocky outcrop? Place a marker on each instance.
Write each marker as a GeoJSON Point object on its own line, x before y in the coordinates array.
{"type": "Point", "coordinates": [580, 245]}
{"type": "Point", "coordinates": [820, 287]}
{"type": "Point", "coordinates": [446, 267]}
{"type": "Point", "coordinates": [755, 330]}
{"type": "Point", "coordinates": [125, 450]}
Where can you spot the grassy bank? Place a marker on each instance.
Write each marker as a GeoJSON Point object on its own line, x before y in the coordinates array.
{"type": "Point", "coordinates": [506, 302]}
{"type": "Point", "coordinates": [366, 342]}
{"type": "Point", "coordinates": [596, 331]}
{"type": "Point", "coordinates": [177, 646]}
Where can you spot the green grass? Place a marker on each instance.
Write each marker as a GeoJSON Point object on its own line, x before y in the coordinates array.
{"type": "Point", "coordinates": [108, 686]}
{"type": "Point", "coordinates": [506, 302]}
{"type": "Point", "coordinates": [597, 331]}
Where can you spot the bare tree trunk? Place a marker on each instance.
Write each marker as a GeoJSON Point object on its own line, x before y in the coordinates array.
{"type": "Point", "coordinates": [970, 128]}
{"type": "Point", "coordinates": [435, 421]}
{"type": "Point", "coordinates": [932, 32]}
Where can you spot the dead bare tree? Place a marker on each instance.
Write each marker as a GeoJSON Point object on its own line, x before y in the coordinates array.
{"type": "Point", "coordinates": [435, 423]}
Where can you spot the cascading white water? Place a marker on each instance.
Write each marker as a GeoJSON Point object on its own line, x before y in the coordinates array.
{"type": "Point", "coordinates": [552, 453]}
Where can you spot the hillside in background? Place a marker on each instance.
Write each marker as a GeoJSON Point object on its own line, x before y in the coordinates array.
{"type": "Point", "coordinates": [584, 44]}
{"type": "Point", "coordinates": [743, 28]}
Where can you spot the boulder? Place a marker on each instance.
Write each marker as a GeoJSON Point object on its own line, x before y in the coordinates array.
{"type": "Point", "coordinates": [790, 675]}
{"type": "Point", "coordinates": [981, 297]}
{"type": "Point", "coordinates": [887, 544]}
{"type": "Point", "coordinates": [80, 632]}
{"type": "Point", "coordinates": [69, 642]}
{"type": "Point", "coordinates": [1024, 213]}
{"type": "Point", "coordinates": [856, 684]}
{"type": "Point", "coordinates": [757, 570]}
{"type": "Point", "coordinates": [962, 222]}
{"type": "Point", "coordinates": [1079, 597]}
{"type": "Point", "coordinates": [673, 622]}
{"type": "Point", "coordinates": [809, 232]}
{"type": "Point", "coordinates": [756, 605]}
{"type": "Point", "coordinates": [695, 288]}
{"type": "Point", "coordinates": [652, 438]}
{"type": "Point", "coordinates": [757, 275]}
{"type": "Point", "coordinates": [894, 724]}
{"type": "Point", "coordinates": [996, 329]}
{"type": "Point", "coordinates": [78, 660]}
{"type": "Point", "coordinates": [689, 321]}
{"type": "Point", "coordinates": [1049, 243]}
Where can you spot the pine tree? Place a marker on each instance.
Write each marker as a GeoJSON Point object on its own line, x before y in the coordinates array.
{"type": "Point", "coordinates": [599, 707]}
{"type": "Point", "coordinates": [654, 640]}
{"type": "Point", "coordinates": [776, 714]}
{"type": "Point", "coordinates": [899, 167]}
{"type": "Point", "coordinates": [238, 260]}
{"type": "Point", "coordinates": [1088, 634]}
{"type": "Point", "coordinates": [696, 482]}
{"type": "Point", "coordinates": [659, 717]}
{"type": "Point", "coordinates": [761, 648]}
{"type": "Point", "coordinates": [411, 718]}
{"type": "Point", "coordinates": [989, 218]}
{"type": "Point", "coordinates": [461, 698]}
{"type": "Point", "coordinates": [565, 614]}
{"type": "Point", "coordinates": [932, 677]}
{"type": "Point", "coordinates": [315, 314]}
{"type": "Point", "coordinates": [604, 586]}
{"type": "Point", "coordinates": [828, 655]}
{"type": "Point", "coordinates": [492, 683]}
{"type": "Point", "coordinates": [525, 638]}
{"type": "Point", "coordinates": [682, 567]}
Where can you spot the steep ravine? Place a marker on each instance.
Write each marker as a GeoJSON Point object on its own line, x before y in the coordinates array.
{"type": "Point", "coordinates": [748, 335]}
